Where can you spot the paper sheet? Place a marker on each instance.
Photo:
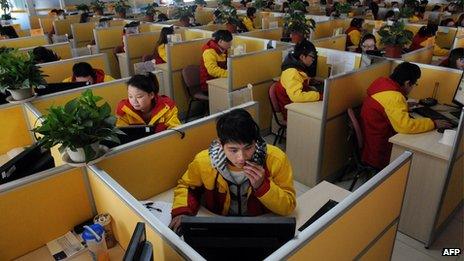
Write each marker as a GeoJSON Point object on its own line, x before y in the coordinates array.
{"type": "Point", "coordinates": [160, 209]}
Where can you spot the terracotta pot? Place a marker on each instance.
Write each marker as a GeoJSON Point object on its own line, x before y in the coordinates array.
{"type": "Point", "coordinates": [297, 37]}
{"type": "Point", "coordinates": [393, 51]}
{"type": "Point", "coordinates": [121, 14]}
{"type": "Point", "coordinates": [149, 18]}
{"type": "Point", "coordinates": [21, 94]}
{"type": "Point", "coordinates": [231, 28]}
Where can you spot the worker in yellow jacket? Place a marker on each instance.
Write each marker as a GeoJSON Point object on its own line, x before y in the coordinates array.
{"type": "Point", "coordinates": [238, 175]}
{"type": "Point", "coordinates": [426, 37]}
{"type": "Point", "coordinates": [385, 112]}
{"type": "Point", "coordinates": [145, 107]}
{"type": "Point", "coordinates": [248, 20]}
{"type": "Point", "coordinates": [83, 72]}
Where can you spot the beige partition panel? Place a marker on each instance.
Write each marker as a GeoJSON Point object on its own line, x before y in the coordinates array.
{"type": "Point", "coordinates": [363, 230]}
{"type": "Point", "coordinates": [138, 45]}
{"type": "Point", "coordinates": [204, 15]}
{"type": "Point", "coordinates": [106, 40]}
{"type": "Point", "coordinates": [422, 55]}
{"type": "Point", "coordinates": [326, 28]}
{"type": "Point", "coordinates": [251, 44]}
{"type": "Point", "coordinates": [335, 43]}
{"type": "Point", "coordinates": [83, 34]}
{"type": "Point", "coordinates": [46, 23]}
{"type": "Point", "coordinates": [63, 50]}
{"type": "Point", "coordinates": [60, 70]}
{"type": "Point", "coordinates": [37, 212]}
{"type": "Point", "coordinates": [62, 27]}
{"type": "Point", "coordinates": [270, 34]}
{"type": "Point", "coordinates": [25, 42]}
{"type": "Point", "coordinates": [15, 132]}
{"type": "Point", "coordinates": [445, 36]}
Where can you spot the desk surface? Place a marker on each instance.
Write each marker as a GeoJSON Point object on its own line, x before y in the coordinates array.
{"type": "Point", "coordinates": [311, 109]}
{"type": "Point", "coordinates": [42, 254]}
{"type": "Point", "coordinates": [222, 83]}
{"type": "Point", "coordinates": [162, 66]}
{"type": "Point", "coordinates": [424, 142]}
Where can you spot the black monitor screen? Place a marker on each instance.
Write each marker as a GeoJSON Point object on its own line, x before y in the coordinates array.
{"type": "Point", "coordinates": [131, 133]}
{"type": "Point", "coordinates": [237, 238]}
{"type": "Point", "coordinates": [136, 244]}
{"type": "Point", "coordinates": [459, 93]}
{"type": "Point", "coordinates": [58, 87]}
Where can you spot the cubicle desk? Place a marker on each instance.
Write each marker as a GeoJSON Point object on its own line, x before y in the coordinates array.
{"type": "Point", "coordinates": [304, 133]}
{"type": "Point", "coordinates": [426, 182]}
{"type": "Point", "coordinates": [123, 65]}
{"type": "Point", "coordinates": [220, 98]}
{"type": "Point", "coordinates": [42, 254]}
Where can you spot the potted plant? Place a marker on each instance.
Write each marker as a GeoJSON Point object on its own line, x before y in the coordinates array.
{"type": "Point", "coordinates": [343, 9]}
{"type": "Point", "coordinates": [406, 13]}
{"type": "Point", "coordinates": [200, 3]}
{"type": "Point", "coordinates": [150, 12]}
{"type": "Point", "coordinates": [19, 74]}
{"type": "Point", "coordinates": [97, 7]}
{"type": "Point", "coordinates": [6, 6]}
{"type": "Point", "coordinates": [224, 2]}
{"type": "Point", "coordinates": [121, 8]}
{"type": "Point", "coordinates": [228, 16]}
{"type": "Point", "coordinates": [296, 24]}
{"type": "Point", "coordinates": [178, 2]}
{"type": "Point", "coordinates": [83, 8]}
{"type": "Point", "coordinates": [394, 37]}
{"type": "Point", "coordinates": [78, 127]}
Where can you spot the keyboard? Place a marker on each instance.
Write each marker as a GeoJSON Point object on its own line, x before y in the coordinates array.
{"type": "Point", "coordinates": [456, 114]}
{"type": "Point", "coordinates": [324, 209]}
{"type": "Point", "coordinates": [434, 115]}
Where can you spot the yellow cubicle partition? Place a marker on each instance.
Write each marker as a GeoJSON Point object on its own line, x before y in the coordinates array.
{"type": "Point", "coordinates": [83, 34]}
{"type": "Point", "coordinates": [34, 21]}
{"type": "Point", "coordinates": [16, 128]}
{"type": "Point", "coordinates": [46, 23]}
{"type": "Point", "coordinates": [324, 57]}
{"type": "Point", "coordinates": [117, 22]}
{"type": "Point", "coordinates": [106, 39]}
{"type": "Point", "coordinates": [63, 27]}
{"type": "Point", "coordinates": [357, 228]}
{"type": "Point", "coordinates": [326, 28]}
{"type": "Point", "coordinates": [269, 34]}
{"type": "Point", "coordinates": [458, 42]}
{"type": "Point", "coordinates": [193, 33]}
{"type": "Point", "coordinates": [204, 16]}
{"type": "Point", "coordinates": [423, 55]}
{"type": "Point", "coordinates": [444, 37]}
{"type": "Point", "coordinates": [138, 45]}
{"type": "Point", "coordinates": [63, 50]}
{"type": "Point", "coordinates": [251, 44]}
{"type": "Point", "coordinates": [25, 42]}
{"type": "Point", "coordinates": [60, 70]}
{"type": "Point", "coordinates": [212, 27]}
{"type": "Point", "coordinates": [336, 43]}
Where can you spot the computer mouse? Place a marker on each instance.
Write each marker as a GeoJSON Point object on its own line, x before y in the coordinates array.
{"type": "Point", "coordinates": [428, 102]}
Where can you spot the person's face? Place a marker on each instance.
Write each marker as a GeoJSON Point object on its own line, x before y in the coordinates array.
{"type": "Point", "coordinates": [139, 99]}
{"type": "Point", "coordinates": [238, 154]}
{"type": "Point", "coordinates": [368, 45]}
{"type": "Point", "coordinates": [88, 79]}
{"type": "Point", "coordinates": [408, 86]}
{"type": "Point", "coordinates": [460, 63]}
{"type": "Point", "coordinates": [450, 24]}
{"type": "Point", "coordinates": [307, 59]}
{"type": "Point", "coordinates": [224, 45]}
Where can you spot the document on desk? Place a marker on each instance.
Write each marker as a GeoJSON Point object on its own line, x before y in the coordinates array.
{"type": "Point", "coordinates": [160, 209]}
{"type": "Point", "coordinates": [65, 246]}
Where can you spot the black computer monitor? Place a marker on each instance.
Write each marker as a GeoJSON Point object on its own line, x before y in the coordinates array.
{"type": "Point", "coordinates": [132, 132]}
{"type": "Point", "coordinates": [58, 87]}
{"type": "Point", "coordinates": [136, 243]}
{"type": "Point", "coordinates": [147, 252]}
{"type": "Point", "coordinates": [32, 160]}
{"type": "Point", "coordinates": [237, 238]}
{"type": "Point", "coordinates": [459, 93]}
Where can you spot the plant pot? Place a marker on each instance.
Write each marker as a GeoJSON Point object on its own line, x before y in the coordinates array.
{"type": "Point", "coordinates": [393, 51]}
{"type": "Point", "coordinates": [297, 37]}
{"type": "Point", "coordinates": [149, 18]}
{"type": "Point", "coordinates": [79, 154]}
{"type": "Point", "coordinates": [231, 28]}
{"type": "Point", "coordinates": [21, 94]}
{"type": "Point", "coordinates": [121, 14]}
{"type": "Point", "coordinates": [343, 15]}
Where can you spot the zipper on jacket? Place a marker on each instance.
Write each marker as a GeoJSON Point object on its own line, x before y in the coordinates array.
{"type": "Point", "coordinates": [239, 199]}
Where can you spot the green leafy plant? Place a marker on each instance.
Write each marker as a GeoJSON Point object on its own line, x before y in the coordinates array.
{"type": "Point", "coordinates": [224, 2]}
{"type": "Point", "coordinates": [18, 71]}
{"type": "Point", "coordinates": [150, 9]}
{"type": "Point", "coordinates": [228, 14]}
{"type": "Point", "coordinates": [185, 10]}
{"type": "Point", "coordinates": [121, 6]}
{"type": "Point", "coordinates": [83, 7]}
{"type": "Point", "coordinates": [97, 6]}
{"type": "Point", "coordinates": [406, 12]}
{"type": "Point", "coordinates": [296, 21]}
{"type": "Point", "coordinates": [178, 2]}
{"type": "Point", "coordinates": [200, 2]}
{"type": "Point", "coordinates": [395, 35]}
{"type": "Point", "coordinates": [5, 5]}
{"type": "Point", "coordinates": [260, 4]}
{"type": "Point", "coordinates": [80, 123]}
{"type": "Point", "coordinates": [343, 8]}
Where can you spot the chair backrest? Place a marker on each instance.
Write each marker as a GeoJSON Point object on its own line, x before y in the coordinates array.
{"type": "Point", "coordinates": [273, 98]}
{"type": "Point", "coordinates": [356, 127]}
{"type": "Point", "coordinates": [191, 76]}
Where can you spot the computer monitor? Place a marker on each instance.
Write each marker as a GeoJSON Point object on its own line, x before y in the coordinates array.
{"type": "Point", "coordinates": [58, 87]}
{"type": "Point", "coordinates": [459, 93]}
{"type": "Point", "coordinates": [32, 160]}
{"type": "Point", "coordinates": [147, 252]}
{"type": "Point", "coordinates": [237, 238]}
{"type": "Point", "coordinates": [136, 243]}
{"type": "Point", "coordinates": [132, 132]}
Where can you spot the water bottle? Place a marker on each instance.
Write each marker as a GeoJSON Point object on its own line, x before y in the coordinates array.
{"type": "Point", "coordinates": [94, 236]}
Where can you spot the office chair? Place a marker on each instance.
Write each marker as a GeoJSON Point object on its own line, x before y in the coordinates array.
{"type": "Point", "coordinates": [191, 77]}
{"type": "Point", "coordinates": [355, 138]}
{"type": "Point", "coordinates": [275, 111]}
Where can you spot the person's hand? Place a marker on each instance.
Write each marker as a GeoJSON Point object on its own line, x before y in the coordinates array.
{"type": "Point", "coordinates": [442, 124]}
{"type": "Point", "coordinates": [412, 104]}
{"type": "Point", "coordinates": [175, 224]}
{"type": "Point", "coordinates": [254, 173]}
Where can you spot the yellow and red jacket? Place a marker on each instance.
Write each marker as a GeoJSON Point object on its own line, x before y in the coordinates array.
{"type": "Point", "coordinates": [353, 36]}
{"type": "Point", "coordinates": [383, 114]}
{"type": "Point", "coordinates": [213, 63]}
{"type": "Point", "coordinates": [276, 194]}
{"type": "Point", "coordinates": [100, 77]}
{"type": "Point", "coordinates": [419, 41]}
{"type": "Point", "coordinates": [248, 23]}
{"type": "Point", "coordinates": [160, 54]}
{"type": "Point", "coordinates": [163, 114]}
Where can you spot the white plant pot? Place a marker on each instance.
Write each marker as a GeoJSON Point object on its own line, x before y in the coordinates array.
{"type": "Point", "coordinates": [79, 155]}
{"type": "Point", "coordinates": [21, 94]}
{"type": "Point", "coordinates": [343, 16]}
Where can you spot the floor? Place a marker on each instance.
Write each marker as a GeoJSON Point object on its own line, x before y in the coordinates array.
{"type": "Point", "coordinates": [406, 248]}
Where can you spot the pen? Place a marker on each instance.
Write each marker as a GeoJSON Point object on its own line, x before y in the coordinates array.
{"type": "Point", "coordinates": [157, 209]}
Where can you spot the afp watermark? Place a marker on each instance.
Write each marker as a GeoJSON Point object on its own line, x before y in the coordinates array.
{"type": "Point", "coordinates": [451, 251]}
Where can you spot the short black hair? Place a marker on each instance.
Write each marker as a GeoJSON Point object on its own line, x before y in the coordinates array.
{"type": "Point", "coordinates": [83, 69]}
{"type": "Point", "coordinates": [389, 14]}
{"type": "Point", "coordinates": [404, 72]}
{"type": "Point", "coordinates": [163, 38]}
{"type": "Point", "coordinates": [305, 48]}
{"type": "Point", "coordinates": [237, 126]}
{"type": "Point", "coordinates": [162, 17]}
{"type": "Point", "coordinates": [222, 35]}
{"type": "Point", "coordinates": [357, 22]}
{"type": "Point", "coordinates": [367, 37]}
{"type": "Point", "coordinates": [251, 11]}
{"type": "Point", "coordinates": [147, 83]}
{"type": "Point", "coordinates": [454, 55]}
{"type": "Point", "coordinates": [41, 54]}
